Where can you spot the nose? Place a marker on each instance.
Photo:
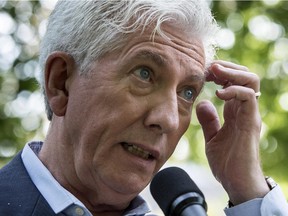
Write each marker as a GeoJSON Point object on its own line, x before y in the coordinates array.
{"type": "Point", "coordinates": [163, 114]}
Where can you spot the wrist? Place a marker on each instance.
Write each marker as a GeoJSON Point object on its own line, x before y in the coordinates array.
{"type": "Point", "coordinates": [269, 183]}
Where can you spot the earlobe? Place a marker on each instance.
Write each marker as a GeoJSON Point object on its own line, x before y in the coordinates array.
{"type": "Point", "coordinates": [58, 71]}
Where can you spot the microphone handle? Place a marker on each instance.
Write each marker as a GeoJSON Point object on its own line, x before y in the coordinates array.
{"type": "Point", "coordinates": [189, 204]}
{"type": "Point", "coordinates": [193, 210]}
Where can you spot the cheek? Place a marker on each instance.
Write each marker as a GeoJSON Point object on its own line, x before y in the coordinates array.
{"type": "Point", "coordinates": [174, 139]}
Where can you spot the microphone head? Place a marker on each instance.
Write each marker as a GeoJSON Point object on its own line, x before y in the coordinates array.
{"type": "Point", "coordinates": [169, 184]}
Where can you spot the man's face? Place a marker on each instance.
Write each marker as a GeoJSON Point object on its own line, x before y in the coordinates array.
{"type": "Point", "coordinates": [126, 117]}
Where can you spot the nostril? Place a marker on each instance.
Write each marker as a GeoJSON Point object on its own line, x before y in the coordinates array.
{"type": "Point", "coordinates": [156, 126]}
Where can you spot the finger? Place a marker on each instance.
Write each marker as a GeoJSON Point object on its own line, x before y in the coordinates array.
{"type": "Point", "coordinates": [237, 92]}
{"type": "Point", "coordinates": [247, 111]}
{"type": "Point", "coordinates": [208, 119]}
{"type": "Point", "coordinates": [211, 77]}
{"type": "Point", "coordinates": [231, 65]}
{"type": "Point", "coordinates": [229, 76]}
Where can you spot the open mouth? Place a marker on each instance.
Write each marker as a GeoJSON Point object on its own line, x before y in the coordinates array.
{"type": "Point", "coordinates": [135, 150]}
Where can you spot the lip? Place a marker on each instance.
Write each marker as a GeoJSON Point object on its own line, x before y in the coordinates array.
{"type": "Point", "coordinates": [145, 147]}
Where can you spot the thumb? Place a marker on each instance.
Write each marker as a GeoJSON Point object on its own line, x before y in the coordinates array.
{"type": "Point", "coordinates": [208, 119]}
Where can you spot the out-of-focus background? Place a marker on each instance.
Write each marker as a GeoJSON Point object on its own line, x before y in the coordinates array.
{"type": "Point", "coordinates": [254, 33]}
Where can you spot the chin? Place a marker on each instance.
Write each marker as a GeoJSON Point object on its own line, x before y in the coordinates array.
{"type": "Point", "coordinates": [131, 185]}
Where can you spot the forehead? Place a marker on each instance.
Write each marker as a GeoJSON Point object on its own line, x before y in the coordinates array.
{"type": "Point", "coordinates": [175, 45]}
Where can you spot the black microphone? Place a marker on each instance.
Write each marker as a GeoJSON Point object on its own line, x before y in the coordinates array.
{"type": "Point", "coordinates": [177, 194]}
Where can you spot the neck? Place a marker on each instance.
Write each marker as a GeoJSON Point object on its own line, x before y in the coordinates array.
{"type": "Point", "coordinates": [57, 154]}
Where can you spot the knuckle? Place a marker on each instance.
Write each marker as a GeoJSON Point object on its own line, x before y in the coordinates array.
{"type": "Point", "coordinates": [251, 93]}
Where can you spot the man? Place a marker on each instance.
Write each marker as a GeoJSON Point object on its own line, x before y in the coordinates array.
{"type": "Point", "coordinates": [119, 80]}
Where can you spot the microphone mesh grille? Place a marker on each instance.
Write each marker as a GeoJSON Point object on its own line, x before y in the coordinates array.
{"type": "Point", "coordinates": [170, 183]}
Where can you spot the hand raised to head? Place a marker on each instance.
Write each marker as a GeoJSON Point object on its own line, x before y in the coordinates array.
{"type": "Point", "coordinates": [233, 148]}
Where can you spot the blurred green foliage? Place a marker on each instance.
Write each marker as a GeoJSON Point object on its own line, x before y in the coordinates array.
{"type": "Point", "coordinates": [254, 33]}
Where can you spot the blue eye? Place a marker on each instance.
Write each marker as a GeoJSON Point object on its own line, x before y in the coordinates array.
{"type": "Point", "coordinates": [143, 73]}
{"type": "Point", "coordinates": [187, 94]}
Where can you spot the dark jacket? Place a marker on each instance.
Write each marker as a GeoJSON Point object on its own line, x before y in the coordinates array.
{"type": "Point", "coordinates": [18, 195]}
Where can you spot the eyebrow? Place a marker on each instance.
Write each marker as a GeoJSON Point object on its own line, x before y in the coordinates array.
{"type": "Point", "coordinates": [197, 78]}
{"type": "Point", "coordinates": [153, 56]}
{"type": "Point", "coordinates": [200, 79]}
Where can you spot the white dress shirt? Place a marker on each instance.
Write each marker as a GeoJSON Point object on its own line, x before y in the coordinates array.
{"type": "Point", "coordinates": [59, 199]}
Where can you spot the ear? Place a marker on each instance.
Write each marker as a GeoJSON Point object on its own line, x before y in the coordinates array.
{"type": "Point", "coordinates": [59, 69]}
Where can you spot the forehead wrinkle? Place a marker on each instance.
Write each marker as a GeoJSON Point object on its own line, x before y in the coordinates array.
{"type": "Point", "coordinates": [195, 53]}
{"type": "Point", "coordinates": [195, 48]}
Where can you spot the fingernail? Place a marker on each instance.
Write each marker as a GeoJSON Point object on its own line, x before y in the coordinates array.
{"type": "Point", "coordinates": [221, 91]}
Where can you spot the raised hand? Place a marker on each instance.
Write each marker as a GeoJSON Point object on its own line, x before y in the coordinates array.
{"type": "Point", "coordinates": [233, 148]}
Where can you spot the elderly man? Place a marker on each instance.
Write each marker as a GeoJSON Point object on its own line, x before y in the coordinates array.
{"type": "Point", "coordinates": [120, 79]}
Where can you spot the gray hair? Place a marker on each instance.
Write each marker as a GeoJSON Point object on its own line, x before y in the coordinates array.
{"type": "Point", "coordinates": [89, 29]}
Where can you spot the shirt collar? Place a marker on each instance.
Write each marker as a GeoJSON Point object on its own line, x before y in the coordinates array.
{"type": "Point", "coordinates": [57, 196]}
